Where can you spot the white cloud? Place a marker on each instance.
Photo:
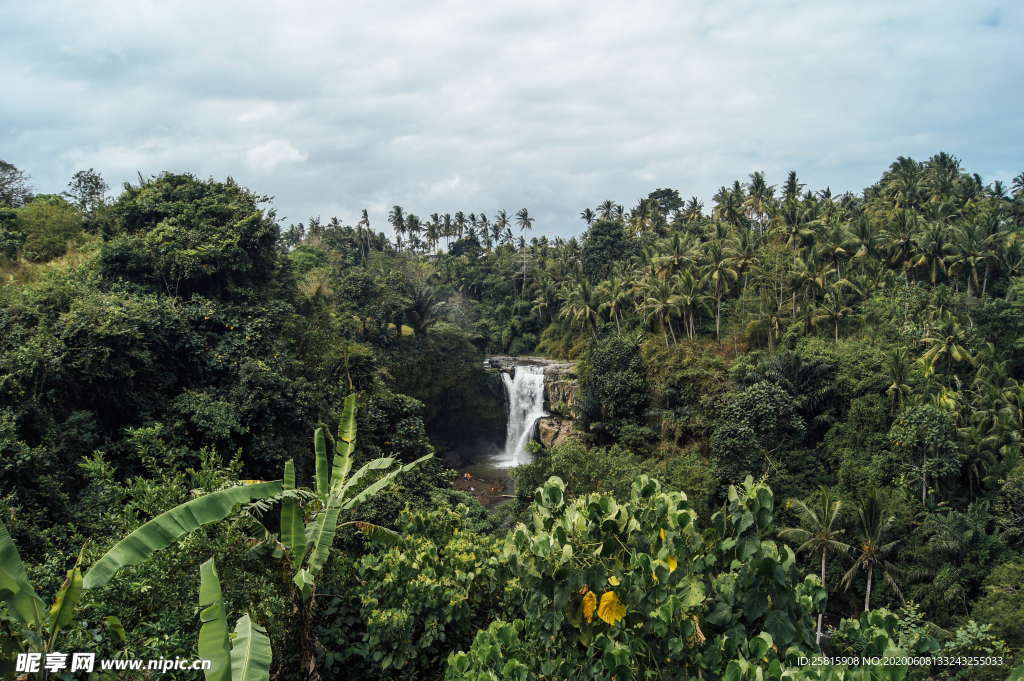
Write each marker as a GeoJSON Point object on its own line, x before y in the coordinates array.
{"type": "Point", "coordinates": [267, 156]}
{"type": "Point", "coordinates": [461, 105]}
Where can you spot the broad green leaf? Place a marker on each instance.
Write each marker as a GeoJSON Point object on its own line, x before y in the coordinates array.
{"type": "Point", "coordinates": [114, 624]}
{"type": "Point", "coordinates": [213, 633]}
{"type": "Point", "coordinates": [324, 528]}
{"type": "Point", "coordinates": [168, 527]}
{"type": "Point", "coordinates": [62, 613]}
{"type": "Point", "coordinates": [376, 533]}
{"type": "Point", "coordinates": [370, 490]}
{"type": "Point", "coordinates": [293, 531]}
{"type": "Point", "coordinates": [346, 442]}
{"type": "Point", "coordinates": [250, 652]}
{"type": "Point", "coordinates": [375, 465]}
{"type": "Point", "coordinates": [320, 449]}
{"type": "Point", "coordinates": [15, 589]}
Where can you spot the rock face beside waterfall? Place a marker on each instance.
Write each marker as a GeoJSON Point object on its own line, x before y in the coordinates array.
{"type": "Point", "coordinates": [553, 431]}
{"type": "Point", "coordinates": [560, 383]}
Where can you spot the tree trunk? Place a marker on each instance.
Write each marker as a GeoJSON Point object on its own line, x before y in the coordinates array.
{"type": "Point", "coordinates": [867, 594]}
{"type": "Point", "coordinates": [924, 479]}
{"type": "Point", "coordinates": [817, 636]}
{"type": "Point", "coordinates": [718, 317]}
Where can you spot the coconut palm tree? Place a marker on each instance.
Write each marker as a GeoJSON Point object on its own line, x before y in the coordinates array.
{"type": "Point", "coordinates": [588, 216]}
{"type": "Point", "coordinates": [689, 298]}
{"type": "Point", "coordinates": [898, 372]}
{"type": "Point", "coordinates": [720, 277]}
{"type": "Point", "coordinates": [945, 346]}
{"type": "Point", "coordinates": [933, 251]}
{"type": "Point", "coordinates": [581, 306]}
{"type": "Point", "coordinates": [770, 319]}
{"type": "Point", "coordinates": [658, 305]}
{"type": "Point", "coordinates": [760, 200]}
{"type": "Point", "coordinates": [397, 219]}
{"type": "Point", "coordinates": [835, 306]}
{"type": "Point", "coordinates": [901, 239]}
{"type": "Point", "coordinates": [615, 293]}
{"type": "Point", "coordinates": [818, 533]}
{"type": "Point", "coordinates": [971, 253]}
{"type": "Point", "coordinates": [873, 526]}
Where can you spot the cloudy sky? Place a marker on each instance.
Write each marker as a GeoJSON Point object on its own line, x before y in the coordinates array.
{"type": "Point", "coordinates": [335, 106]}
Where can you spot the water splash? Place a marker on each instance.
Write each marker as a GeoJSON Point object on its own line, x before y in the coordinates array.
{"type": "Point", "coordinates": [525, 390]}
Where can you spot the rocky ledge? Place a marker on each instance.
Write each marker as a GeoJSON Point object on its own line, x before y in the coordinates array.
{"type": "Point", "coordinates": [553, 431]}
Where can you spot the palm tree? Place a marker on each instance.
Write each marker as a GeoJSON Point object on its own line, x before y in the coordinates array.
{"type": "Point", "coordinates": [693, 210]}
{"type": "Point", "coordinates": [606, 209]}
{"type": "Point", "coordinates": [525, 223]}
{"type": "Point", "coordinates": [834, 307]}
{"type": "Point", "coordinates": [588, 216]}
{"type": "Point", "coordinates": [364, 233]}
{"type": "Point", "coordinates": [581, 306]}
{"type": "Point", "coordinates": [818, 533]}
{"type": "Point", "coordinates": [791, 190]}
{"type": "Point", "coordinates": [898, 370]}
{"type": "Point", "coordinates": [759, 199]}
{"type": "Point", "coordinates": [945, 345]}
{"type": "Point", "coordinates": [873, 551]}
{"type": "Point", "coordinates": [971, 252]}
{"type": "Point", "coordinates": [615, 295]}
{"type": "Point", "coordinates": [934, 250]}
{"type": "Point", "coordinates": [721, 276]}
{"type": "Point", "coordinates": [901, 239]}
{"type": "Point", "coordinates": [501, 225]}
{"type": "Point", "coordinates": [659, 305]}
{"type": "Point", "coordinates": [770, 320]}
{"type": "Point", "coordinates": [397, 219]}
{"type": "Point", "coordinates": [688, 297]}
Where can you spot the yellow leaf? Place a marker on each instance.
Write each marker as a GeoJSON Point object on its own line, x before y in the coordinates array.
{"type": "Point", "coordinates": [672, 564]}
{"type": "Point", "coordinates": [614, 581]}
{"type": "Point", "coordinates": [661, 533]}
{"type": "Point", "coordinates": [611, 609]}
{"type": "Point", "coordinates": [589, 604]}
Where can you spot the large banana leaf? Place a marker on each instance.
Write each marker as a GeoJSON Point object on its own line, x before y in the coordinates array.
{"type": "Point", "coordinates": [168, 527]}
{"type": "Point", "coordinates": [324, 528]}
{"type": "Point", "coordinates": [213, 633]}
{"type": "Point", "coordinates": [346, 443]}
{"type": "Point", "coordinates": [370, 490]}
{"type": "Point", "coordinates": [321, 472]}
{"type": "Point", "coordinates": [375, 465]}
{"type": "Point", "coordinates": [293, 532]}
{"type": "Point", "coordinates": [15, 589]}
{"type": "Point", "coordinates": [63, 611]}
{"type": "Point", "coordinates": [250, 652]}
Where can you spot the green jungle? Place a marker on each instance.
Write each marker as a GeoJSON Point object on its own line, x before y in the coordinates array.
{"type": "Point", "coordinates": [796, 433]}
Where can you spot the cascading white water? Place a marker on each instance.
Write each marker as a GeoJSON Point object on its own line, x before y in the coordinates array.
{"type": "Point", "coordinates": [525, 405]}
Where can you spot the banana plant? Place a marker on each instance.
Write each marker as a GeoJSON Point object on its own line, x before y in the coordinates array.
{"type": "Point", "coordinates": [337, 492]}
{"type": "Point", "coordinates": [40, 626]}
{"type": "Point", "coordinates": [168, 527]}
{"type": "Point", "coordinates": [247, 656]}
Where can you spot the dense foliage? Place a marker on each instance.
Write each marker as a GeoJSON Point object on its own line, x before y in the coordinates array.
{"type": "Point", "coordinates": [797, 427]}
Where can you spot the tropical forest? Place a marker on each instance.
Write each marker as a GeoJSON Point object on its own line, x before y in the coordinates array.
{"type": "Point", "coordinates": [777, 436]}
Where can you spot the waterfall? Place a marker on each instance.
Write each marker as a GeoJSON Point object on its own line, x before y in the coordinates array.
{"type": "Point", "coordinates": [525, 388]}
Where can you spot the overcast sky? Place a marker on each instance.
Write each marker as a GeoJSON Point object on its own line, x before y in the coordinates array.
{"type": "Point", "coordinates": [440, 106]}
